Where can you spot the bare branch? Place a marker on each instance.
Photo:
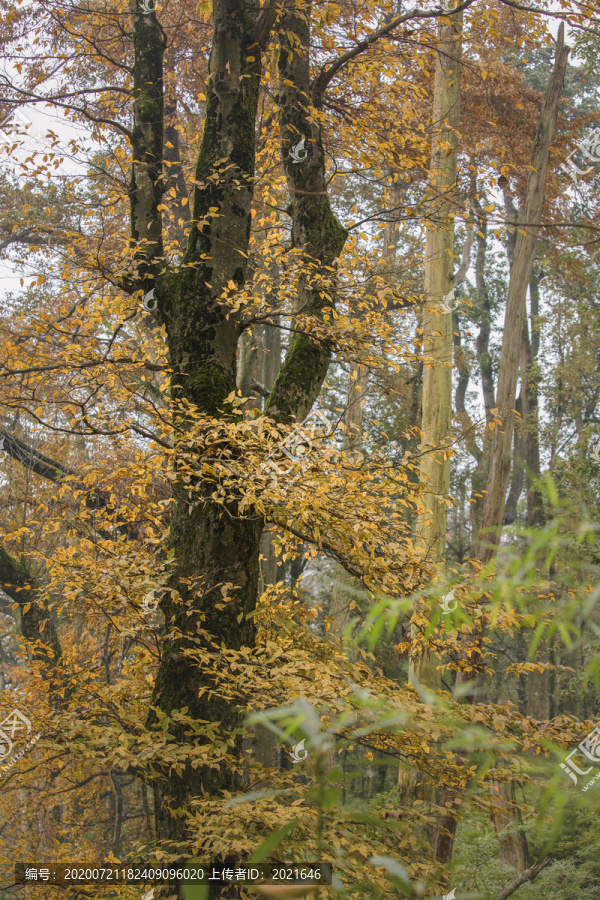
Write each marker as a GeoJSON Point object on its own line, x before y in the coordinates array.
{"type": "Point", "coordinates": [518, 880]}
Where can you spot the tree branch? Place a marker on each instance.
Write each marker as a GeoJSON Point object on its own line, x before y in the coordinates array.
{"type": "Point", "coordinates": [321, 81]}
{"type": "Point", "coordinates": [35, 623]}
{"type": "Point", "coordinates": [264, 23]}
{"type": "Point", "coordinates": [51, 470]}
{"type": "Point", "coordinates": [518, 880]}
{"type": "Point", "coordinates": [316, 231]}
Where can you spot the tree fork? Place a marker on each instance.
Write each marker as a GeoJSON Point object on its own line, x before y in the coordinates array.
{"type": "Point", "coordinates": [316, 231]}
{"type": "Point", "coordinates": [211, 548]}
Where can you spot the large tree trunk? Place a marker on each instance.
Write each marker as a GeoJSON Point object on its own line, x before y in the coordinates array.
{"type": "Point", "coordinates": [211, 548]}
{"type": "Point", "coordinates": [216, 551]}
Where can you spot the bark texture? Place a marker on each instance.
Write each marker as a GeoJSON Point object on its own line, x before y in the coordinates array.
{"type": "Point", "coordinates": [508, 825]}
{"type": "Point", "coordinates": [215, 550]}
{"type": "Point", "coordinates": [317, 235]}
{"type": "Point", "coordinates": [212, 548]}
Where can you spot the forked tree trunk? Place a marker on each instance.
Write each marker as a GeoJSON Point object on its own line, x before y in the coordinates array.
{"type": "Point", "coordinates": [215, 550]}
{"type": "Point", "coordinates": [211, 548]}
{"type": "Point", "coordinates": [493, 511]}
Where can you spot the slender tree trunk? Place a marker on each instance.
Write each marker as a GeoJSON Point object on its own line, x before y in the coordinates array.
{"type": "Point", "coordinates": [493, 512]}
{"type": "Point", "coordinates": [269, 365]}
{"type": "Point", "coordinates": [506, 817]}
{"type": "Point", "coordinates": [341, 594]}
{"type": "Point", "coordinates": [265, 742]}
{"type": "Point", "coordinates": [482, 457]}
{"type": "Point", "coordinates": [248, 366]}
{"type": "Point", "coordinates": [437, 324]}
{"type": "Point", "coordinates": [517, 480]}
{"type": "Point", "coordinates": [436, 415]}
{"type": "Point", "coordinates": [535, 504]}
{"type": "Point", "coordinates": [271, 359]}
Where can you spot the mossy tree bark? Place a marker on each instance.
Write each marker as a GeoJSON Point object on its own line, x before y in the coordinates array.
{"type": "Point", "coordinates": [35, 623]}
{"type": "Point", "coordinates": [212, 545]}
{"type": "Point", "coordinates": [211, 548]}
{"type": "Point", "coordinates": [317, 235]}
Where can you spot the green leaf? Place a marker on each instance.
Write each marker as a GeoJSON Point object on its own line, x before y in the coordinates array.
{"type": "Point", "coordinates": [257, 795]}
{"type": "Point", "coordinates": [195, 891]}
{"type": "Point", "coordinates": [396, 873]}
{"type": "Point", "coordinates": [272, 841]}
{"type": "Point", "coordinates": [325, 797]}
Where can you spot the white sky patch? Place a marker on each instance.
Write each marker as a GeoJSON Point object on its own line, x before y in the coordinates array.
{"type": "Point", "coordinates": [33, 133]}
{"type": "Point", "coordinates": [38, 145]}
